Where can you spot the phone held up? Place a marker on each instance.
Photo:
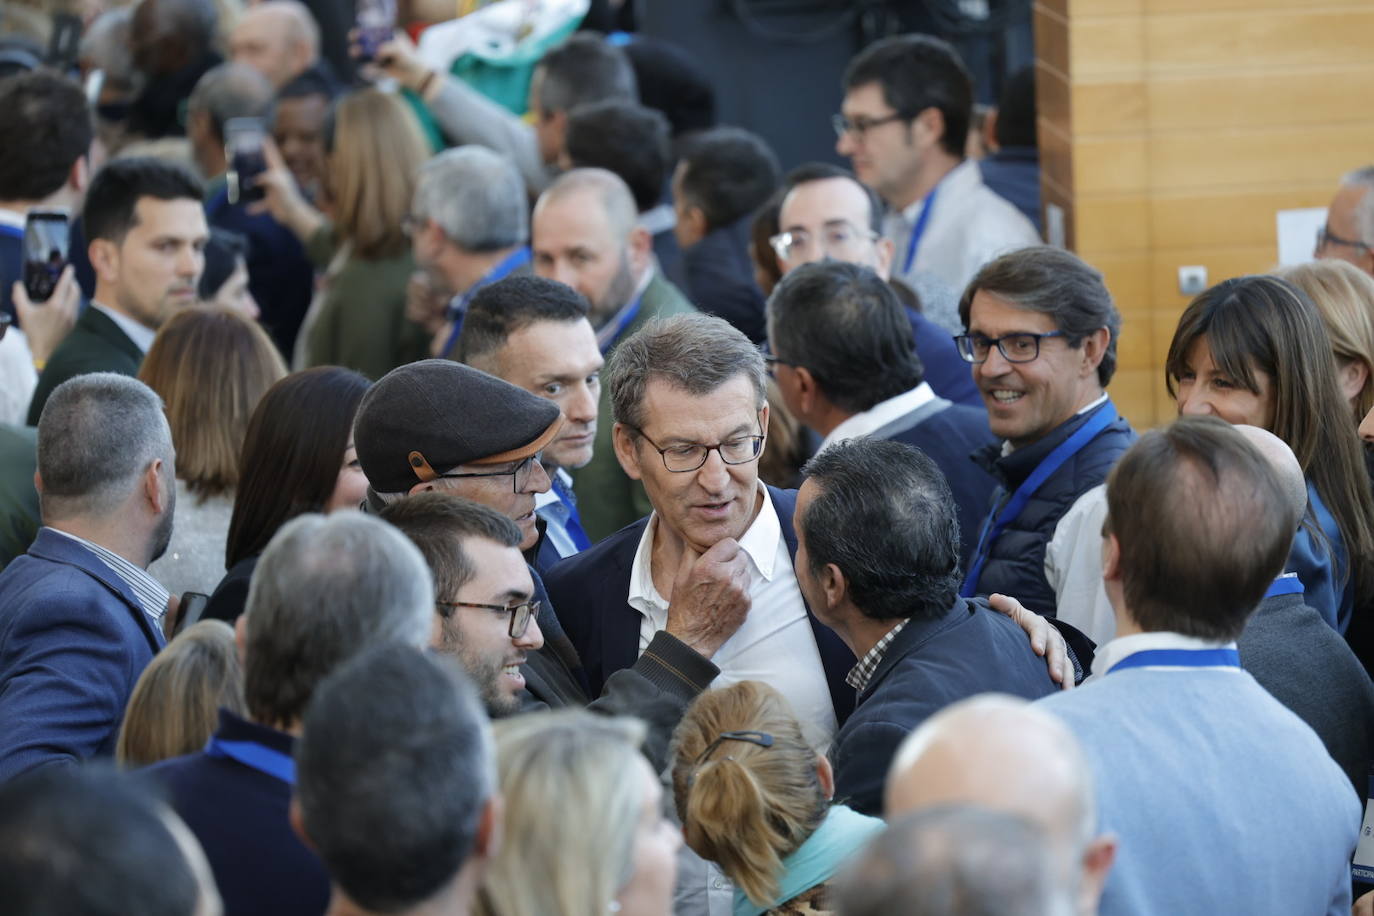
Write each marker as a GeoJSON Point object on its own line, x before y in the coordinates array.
{"type": "Point", "coordinates": [47, 237]}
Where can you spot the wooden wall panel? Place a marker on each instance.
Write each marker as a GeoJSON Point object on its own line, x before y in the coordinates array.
{"type": "Point", "coordinates": [1243, 40]}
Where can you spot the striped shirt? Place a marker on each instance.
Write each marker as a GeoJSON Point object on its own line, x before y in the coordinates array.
{"type": "Point", "coordinates": [859, 676]}
{"type": "Point", "coordinates": [149, 592]}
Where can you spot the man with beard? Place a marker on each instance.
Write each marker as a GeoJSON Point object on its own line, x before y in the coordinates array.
{"type": "Point", "coordinates": [79, 615]}
{"type": "Point", "coordinates": [586, 236]}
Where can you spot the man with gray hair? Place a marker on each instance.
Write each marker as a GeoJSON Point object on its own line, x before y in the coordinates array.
{"type": "Point", "coordinates": [278, 38]}
{"type": "Point", "coordinates": [325, 589]}
{"type": "Point", "coordinates": [1001, 753]}
{"type": "Point", "coordinates": [955, 861]}
{"type": "Point", "coordinates": [586, 235]}
{"type": "Point", "coordinates": [226, 92]}
{"type": "Point", "coordinates": [1349, 230]}
{"type": "Point", "coordinates": [79, 615]}
{"type": "Point", "coordinates": [471, 228]}
{"type": "Point", "coordinates": [397, 786]}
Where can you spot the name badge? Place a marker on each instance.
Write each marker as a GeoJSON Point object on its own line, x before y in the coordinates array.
{"type": "Point", "coordinates": [1363, 865]}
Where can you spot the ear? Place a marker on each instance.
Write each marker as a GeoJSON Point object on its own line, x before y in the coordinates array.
{"type": "Point", "coordinates": [641, 247]}
{"type": "Point", "coordinates": [928, 127]}
{"type": "Point", "coordinates": [38, 482]}
{"type": "Point", "coordinates": [298, 823]}
{"type": "Point", "coordinates": [834, 585]}
{"type": "Point", "coordinates": [626, 451]}
{"type": "Point", "coordinates": [80, 174]}
{"type": "Point", "coordinates": [1097, 862]}
{"type": "Point", "coordinates": [1094, 347]}
{"type": "Point", "coordinates": [1352, 376]}
{"type": "Point", "coordinates": [808, 390]}
{"type": "Point", "coordinates": [104, 256]}
{"type": "Point", "coordinates": [885, 251]}
{"type": "Point", "coordinates": [152, 487]}
{"type": "Point", "coordinates": [1111, 558]}
{"type": "Point", "coordinates": [825, 775]}
{"type": "Point", "coordinates": [423, 486]}
{"type": "Point", "coordinates": [241, 638]}
{"type": "Point", "coordinates": [990, 129]}
{"type": "Point", "coordinates": [695, 227]}
{"type": "Point", "coordinates": [489, 832]}
{"type": "Point", "coordinates": [763, 419]}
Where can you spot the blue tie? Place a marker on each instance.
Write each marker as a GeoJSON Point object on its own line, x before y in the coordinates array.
{"type": "Point", "coordinates": [574, 525]}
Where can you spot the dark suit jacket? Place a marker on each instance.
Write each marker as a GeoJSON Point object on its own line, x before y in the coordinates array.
{"type": "Point", "coordinates": [95, 344]}
{"type": "Point", "coordinates": [73, 641]}
{"type": "Point", "coordinates": [19, 518]}
{"type": "Point", "coordinates": [1306, 666]}
{"type": "Point", "coordinates": [970, 649]}
{"type": "Point", "coordinates": [591, 592]}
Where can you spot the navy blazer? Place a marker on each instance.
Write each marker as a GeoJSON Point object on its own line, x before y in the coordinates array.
{"type": "Point", "coordinates": [73, 641]}
{"type": "Point", "coordinates": [970, 649]}
{"type": "Point", "coordinates": [590, 593]}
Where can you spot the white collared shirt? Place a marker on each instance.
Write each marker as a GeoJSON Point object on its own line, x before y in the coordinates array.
{"type": "Point", "coordinates": [879, 415]}
{"type": "Point", "coordinates": [146, 589]}
{"type": "Point", "coordinates": [970, 225]}
{"type": "Point", "coordinates": [775, 643]}
{"type": "Point", "coordinates": [141, 335]}
{"type": "Point", "coordinates": [555, 515]}
{"type": "Point", "coordinates": [1125, 646]}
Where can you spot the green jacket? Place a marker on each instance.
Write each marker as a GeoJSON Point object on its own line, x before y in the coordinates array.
{"type": "Point", "coordinates": [19, 518]}
{"type": "Point", "coordinates": [95, 344]}
{"type": "Point", "coordinates": [608, 500]}
{"type": "Point", "coordinates": [361, 323]}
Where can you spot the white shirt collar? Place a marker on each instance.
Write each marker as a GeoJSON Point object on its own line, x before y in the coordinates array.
{"type": "Point", "coordinates": [879, 415]}
{"type": "Point", "coordinates": [549, 498]}
{"type": "Point", "coordinates": [1124, 646]}
{"type": "Point", "coordinates": [141, 335]}
{"type": "Point", "coordinates": [1007, 447]}
{"type": "Point", "coordinates": [759, 543]}
{"type": "Point", "coordinates": [658, 219]}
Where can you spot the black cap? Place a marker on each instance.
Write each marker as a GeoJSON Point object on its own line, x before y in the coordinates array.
{"type": "Point", "coordinates": [426, 418]}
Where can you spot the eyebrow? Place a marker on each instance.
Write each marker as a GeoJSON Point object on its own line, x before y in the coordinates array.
{"type": "Point", "coordinates": [741, 430]}
{"type": "Point", "coordinates": [512, 594]}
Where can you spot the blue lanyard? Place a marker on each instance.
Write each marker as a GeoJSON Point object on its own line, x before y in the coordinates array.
{"type": "Point", "coordinates": [919, 229]}
{"type": "Point", "coordinates": [1105, 416]}
{"type": "Point", "coordinates": [576, 533]}
{"type": "Point", "coordinates": [630, 312]}
{"type": "Point", "coordinates": [513, 261]}
{"type": "Point", "coordinates": [14, 232]}
{"type": "Point", "coordinates": [255, 756]}
{"type": "Point", "coordinates": [1285, 585]}
{"type": "Point", "coordinates": [1179, 658]}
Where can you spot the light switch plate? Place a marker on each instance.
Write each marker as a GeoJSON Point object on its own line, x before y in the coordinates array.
{"type": "Point", "coordinates": [1192, 279]}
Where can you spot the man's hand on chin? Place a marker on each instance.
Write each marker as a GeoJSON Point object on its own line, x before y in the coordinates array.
{"type": "Point", "coordinates": [710, 596]}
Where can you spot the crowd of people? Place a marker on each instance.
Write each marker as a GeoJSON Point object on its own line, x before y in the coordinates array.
{"type": "Point", "coordinates": [575, 510]}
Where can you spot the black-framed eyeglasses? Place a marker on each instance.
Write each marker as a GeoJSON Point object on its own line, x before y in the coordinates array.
{"type": "Point", "coordinates": [520, 614]}
{"type": "Point", "coordinates": [839, 239]}
{"type": "Point", "coordinates": [1326, 237]}
{"type": "Point", "coordinates": [861, 125]}
{"type": "Point", "coordinates": [520, 474]}
{"type": "Point", "coordinates": [681, 459]}
{"type": "Point", "coordinates": [762, 739]}
{"type": "Point", "coordinates": [1021, 347]}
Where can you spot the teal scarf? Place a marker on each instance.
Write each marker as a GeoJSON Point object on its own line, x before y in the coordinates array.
{"type": "Point", "coordinates": [838, 837]}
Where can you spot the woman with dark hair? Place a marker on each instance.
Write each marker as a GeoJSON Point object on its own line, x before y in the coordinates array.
{"type": "Point", "coordinates": [298, 457]}
{"type": "Point", "coordinates": [1253, 350]}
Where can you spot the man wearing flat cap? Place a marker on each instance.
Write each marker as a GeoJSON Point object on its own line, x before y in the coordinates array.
{"type": "Point", "coordinates": [440, 425]}
{"type": "Point", "coordinates": [437, 425]}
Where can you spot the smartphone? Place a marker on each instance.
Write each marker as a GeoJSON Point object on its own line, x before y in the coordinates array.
{"type": "Point", "coordinates": [191, 609]}
{"type": "Point", "coordinates": [376, 25]}
{"type": "Point", "coordinates": [65, 43]}
{"type": "Point", "coordinates": [47, 235]}
{"type": "Point", "coordinates": [243, 148]}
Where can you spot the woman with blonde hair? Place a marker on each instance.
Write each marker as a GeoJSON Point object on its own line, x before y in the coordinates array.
{"type": "Point", "coordinates": [756, 799]}
{"type": "Point", "coordinates": [584, 828]}
{"type": "Point", "coordinates": [1344, 297]}
{"type": "Point", "coordinates": [210, 366]}
{"type": "Point", "coordinates": [373, 152]}
{"type": "Point", "coordinates": [174, 707]}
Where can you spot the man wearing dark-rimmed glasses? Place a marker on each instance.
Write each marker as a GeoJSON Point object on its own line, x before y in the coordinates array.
{"type": "Point", "coordinates": [1349, 231]}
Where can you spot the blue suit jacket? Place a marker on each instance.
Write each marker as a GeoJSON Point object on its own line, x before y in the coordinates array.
{"type": "Point", "coordinates": [73, 641]}
{"type": "Point", "coordinates": [590, 593]}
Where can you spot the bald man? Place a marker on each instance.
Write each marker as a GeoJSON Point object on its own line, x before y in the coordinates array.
{"type": "Point", "coordinates": [278, 38]}
{"type": "Point", "coordinates": [585, 234]}
{"type": "Point", "coordinates": [1297, 657]}
{"type": "Point", "coordinates": [998, 752]}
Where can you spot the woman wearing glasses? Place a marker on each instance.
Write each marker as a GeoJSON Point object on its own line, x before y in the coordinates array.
{"type": "Point", "coordinates": [755, 798]}
{"type": "Point", "coordinates": [1253, 350]}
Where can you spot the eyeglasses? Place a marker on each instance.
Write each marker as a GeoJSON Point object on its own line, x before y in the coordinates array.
{"type": "Point", "coordinates": [839, 239]}
{"type": "Point", "coordinates": [681, 459]}
{"type": "Point", "coordinates": [1015, 348]}
{"type": "Point", "coordinates": [520, 474]}
{"type": "Point", "coordinates": [861, 125]}
{"type": "Point", "coordinates": [1326, 237]}
{"type": "Point", "coordinates": [520, 614]}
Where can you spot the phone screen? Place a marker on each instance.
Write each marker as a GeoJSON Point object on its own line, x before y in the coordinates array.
{"type": "Point", "coordinates": [47, 234]}
{"type": "Point", "coordinates": [65, 43]}
{"type": "Point", "coordinates": [376, 25]}
{"type": "Point", "coordinates": [243, 147]}
{"type": "Point", "coordinates": [190, 609]}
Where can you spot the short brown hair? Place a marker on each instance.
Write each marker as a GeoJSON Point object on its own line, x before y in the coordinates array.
{"type": "Point", "coordinates": [1200, 534]}
{"type": "Point", "coordinates": [210, 366]}
{"type": "Point", "coordinates": [437, 522]}
{"type": "Point", "coordinates": [174, 707]}
{"type": "Point", "coordinates": [746, 807]}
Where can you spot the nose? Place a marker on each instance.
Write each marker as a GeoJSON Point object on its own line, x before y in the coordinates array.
{"type": "Point", "coordinates": [250, 305]}
{"type": "Point", "coordinates": [563, 272]}
{"type": "Point", "coordinates": [532, 639]}
{"type": "Point", "coordinates": [995, 365]}
{"type": "Point", "coordinates": [539, 478]}
{"type": "Point", "coordinates": [191, 262]}
{"type": "Point", "coordinates": [581, 407]}
{"type": "Point", "coordinates": [714, 475]}
{"type": "Point", "coordinates": [1192, 402]}
{"type": "Point", "coordinates": [844, 144]}
{"type": "Point", "coordinates": [1367, 427]}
